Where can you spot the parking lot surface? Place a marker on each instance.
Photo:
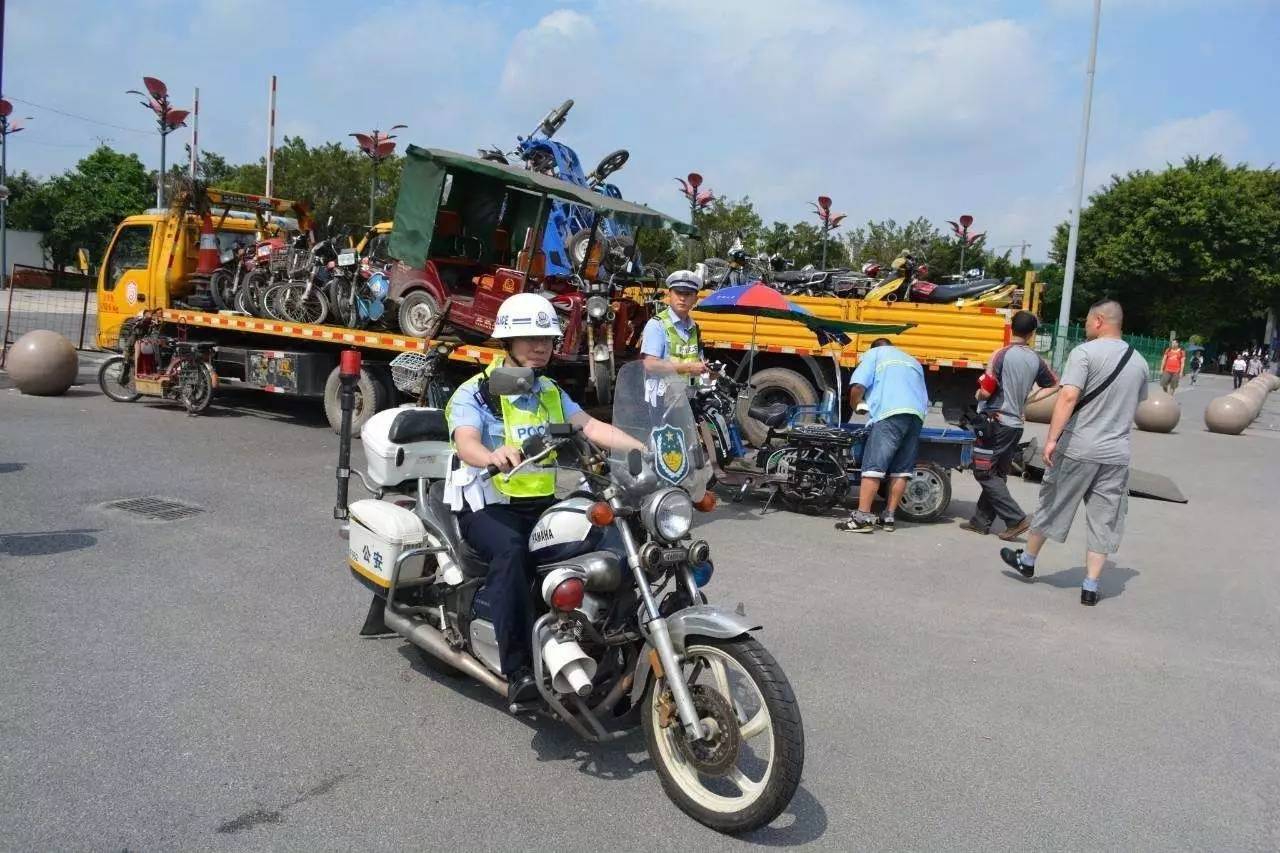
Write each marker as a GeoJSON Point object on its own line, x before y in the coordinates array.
{"type": "Point", "coordinates": [197, 684]}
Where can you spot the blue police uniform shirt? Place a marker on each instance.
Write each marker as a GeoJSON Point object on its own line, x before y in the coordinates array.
{"type": "Point", "coordinates": [654, 342]}
{"type": "Point", "coordinates": [894, 383]}
{"type": "Point", "coordinates": [468, 410]}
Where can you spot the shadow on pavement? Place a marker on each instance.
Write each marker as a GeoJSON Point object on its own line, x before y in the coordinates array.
{"type": "Point", "coordinates": [43, 544]}
{"type": "Point", "coordinates": [11, 467]}
{"type": "Point", "coordinates": [1110, 585]}
{"type": "Point", "coordinates": [804, 821]}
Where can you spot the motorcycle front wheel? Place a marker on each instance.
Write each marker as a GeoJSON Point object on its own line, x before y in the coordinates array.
{"type": "Point", "coordinates": [744, 774]}
{"type": "Point", "coordinates": [111, 380]}
{"type": "Point", "coordinates": [299, 306]}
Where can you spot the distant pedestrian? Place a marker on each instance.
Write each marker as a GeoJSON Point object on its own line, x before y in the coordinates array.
{"type": "Point", "coordinates": [1197, 362]}
{"type": "Point", "coordinates": [1002, 395]}
{"type": "Point", "coordinates": [1171, 369]}
{"type": "Point", "coordinates": [893, 384]}
{"type": "Point", "coordinates": [1238, 367]}
{"type": "Point", "coordinates": [1254, 367]}
{"type": "Point", "coordinates": [1222, 362]}
{"type": "Point", "coordinates": [1086, 451]}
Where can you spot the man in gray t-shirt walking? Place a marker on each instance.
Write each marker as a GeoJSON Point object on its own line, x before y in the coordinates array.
{"type": "Point", "coordinates": [1086, 453]}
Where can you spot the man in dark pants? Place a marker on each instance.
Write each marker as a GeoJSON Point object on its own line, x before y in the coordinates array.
{"type": "Point", "coordinates": [1002, 396]}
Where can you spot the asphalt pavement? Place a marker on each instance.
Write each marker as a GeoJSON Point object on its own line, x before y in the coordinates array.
{"type": "Point", "coordinates": [198, 685]}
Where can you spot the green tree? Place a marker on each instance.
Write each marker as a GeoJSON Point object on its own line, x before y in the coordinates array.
{"type": "Point", "coordinates": [333, 177]}
{"type": "Point", "coordinates": [1194, 248]}
{"type": "Point", "coordinates": [23, 212]}
{"type": "Point", "coordinates": [81, 208]}
{"type": "Point", "coordinates": [721, 223]}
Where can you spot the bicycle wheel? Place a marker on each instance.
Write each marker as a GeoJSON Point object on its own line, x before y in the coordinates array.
{"type": "Point", "coordinates": [112, 381]}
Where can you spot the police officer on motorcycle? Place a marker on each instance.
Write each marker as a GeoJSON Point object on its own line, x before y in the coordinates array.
{"type": "Point", "coordinates": [497, 514]}
{"type": "Point", "coordinates": [672, 342]}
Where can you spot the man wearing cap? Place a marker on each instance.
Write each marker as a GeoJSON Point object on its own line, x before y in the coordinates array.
{"type": "Point", "coordinates": [672, 342]}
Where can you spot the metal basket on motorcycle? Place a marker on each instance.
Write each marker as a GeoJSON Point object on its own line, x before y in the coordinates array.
{"type": "Point", "coordinates": [409, 372]}
{"type": "Point", "coordinates": [827, 436]}
{"type": "Point", "coordinates": [280, 261]}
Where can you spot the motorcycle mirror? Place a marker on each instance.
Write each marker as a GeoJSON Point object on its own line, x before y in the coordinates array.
{"type": "Point", "coordinates": [512, 381]}
{"type": "Point", "coordinates": [635, 463]}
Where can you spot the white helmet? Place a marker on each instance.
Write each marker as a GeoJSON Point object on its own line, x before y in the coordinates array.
{"type": "Point", "coordinates": [526, 315]}
{"type": "Point", "coordinates": [684, 280]}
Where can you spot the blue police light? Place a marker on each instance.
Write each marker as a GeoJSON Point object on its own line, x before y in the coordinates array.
{"type": "Point", "coordinates": [702, 573]}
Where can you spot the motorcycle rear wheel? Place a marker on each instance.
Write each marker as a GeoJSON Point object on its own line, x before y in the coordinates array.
{"type": "Point", "coordinates": [816, 480]}
{"type": "Point", "coordinates": [220, 284]}
{"type": "Point", "coordinates": [746, 773]}
{"type": "Point", "coordinates": [195, 386]}
{"type": "Point", "coordinates": [109, 375]}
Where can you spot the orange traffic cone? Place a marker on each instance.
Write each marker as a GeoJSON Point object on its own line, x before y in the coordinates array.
{"type": "Point", "coordinates": [208, 259]}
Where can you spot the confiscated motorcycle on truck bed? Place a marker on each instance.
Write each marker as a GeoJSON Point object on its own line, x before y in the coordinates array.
{"type": "Point", "coordinates": [624, 631]}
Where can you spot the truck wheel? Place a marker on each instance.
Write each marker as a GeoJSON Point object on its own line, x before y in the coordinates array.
{"type": "Point", "coordinates": [928, 493]}
{"type": "Point", "coordinates": [773, 385]}
{"type": "Point", "coordinates": [417, 310]}
{"type": "Point", "coordinates": [371, 397]}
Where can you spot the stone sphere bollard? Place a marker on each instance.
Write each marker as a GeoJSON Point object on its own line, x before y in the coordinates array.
{"type": "Point", "coordinates": [1158, 413]}
{"type": "Point", "coordinates": [42, 363]}
{"type": "Point", "coordinates": [1229, 414]}
{"type": "Point", "coordinates": [1041, 411]}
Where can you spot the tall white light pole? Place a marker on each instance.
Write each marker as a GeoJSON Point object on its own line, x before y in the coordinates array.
{"type": "Point", "coordinates": [1073, 235]}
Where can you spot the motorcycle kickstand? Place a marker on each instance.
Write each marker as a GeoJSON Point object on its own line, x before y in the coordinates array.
{"type": "Point", "coordinates": [773, 493]}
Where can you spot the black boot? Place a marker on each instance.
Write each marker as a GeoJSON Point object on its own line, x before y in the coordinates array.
{"type": "Point", "coordinates": [1088, 597]}
{"type": "Point", "coordinates": [521, 688]}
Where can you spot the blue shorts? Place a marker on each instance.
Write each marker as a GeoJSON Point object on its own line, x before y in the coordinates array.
{"type": "Point", "coordinates": [891, 447]}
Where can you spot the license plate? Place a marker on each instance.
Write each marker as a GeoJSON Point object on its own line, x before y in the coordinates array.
{"type": "Point", "coordinates": [346, 259]}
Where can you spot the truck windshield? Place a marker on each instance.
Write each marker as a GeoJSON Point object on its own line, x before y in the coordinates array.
{"type": "Point", "coordinates": [131, 251]}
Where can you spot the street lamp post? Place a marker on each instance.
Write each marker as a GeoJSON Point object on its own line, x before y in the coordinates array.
{"type": "Point", "coordinates": [698, 198]}
{"type": "Point", "coordinates": [961, 230]}
{"type": "Point", "coordinates": [377, 146]}
{"type": "Point", "coordinates": [6, 127]}
{"type": "Point", "coordinates": [830, 221]}
{"type": "Point", "coordinates": [168, 120]}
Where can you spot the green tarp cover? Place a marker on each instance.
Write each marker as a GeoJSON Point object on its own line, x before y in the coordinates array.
{"type": "Point", "coordinates": [422, 184]}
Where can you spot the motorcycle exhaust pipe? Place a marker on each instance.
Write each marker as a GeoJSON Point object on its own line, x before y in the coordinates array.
{"type": "Point", "coordinates": [431, 641]}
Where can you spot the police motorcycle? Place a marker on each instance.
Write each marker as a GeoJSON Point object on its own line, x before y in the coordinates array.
{"type": "Point", "coordinates": [624, 630]}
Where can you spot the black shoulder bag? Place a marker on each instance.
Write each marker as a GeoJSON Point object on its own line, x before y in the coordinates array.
{"type": "Point", "coordinates": [1086, 399]}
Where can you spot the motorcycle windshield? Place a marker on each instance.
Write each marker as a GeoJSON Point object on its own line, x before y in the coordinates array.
{"type": "Point", "coordinates": [654, 409]}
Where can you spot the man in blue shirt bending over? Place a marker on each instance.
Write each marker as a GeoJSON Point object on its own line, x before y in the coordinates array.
{"type": "Point", "coordinates": [892, 383]}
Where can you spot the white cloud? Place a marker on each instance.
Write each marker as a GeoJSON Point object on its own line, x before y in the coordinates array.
{"type": "Point", "coordinates": [1216, 132]}
{"type": "Point", "coordinates": [551, 56]}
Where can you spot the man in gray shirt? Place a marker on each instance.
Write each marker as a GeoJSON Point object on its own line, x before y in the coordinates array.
{"type": "Point", "coordinates": [1002, 395]}
{"type": "Point", "coordinates": [1086, 452]}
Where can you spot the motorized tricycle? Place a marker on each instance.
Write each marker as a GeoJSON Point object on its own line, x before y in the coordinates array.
{"type": "Point", "coordinates": [156, 365]}
{"type": "Point", "coordinates": [624, 636]}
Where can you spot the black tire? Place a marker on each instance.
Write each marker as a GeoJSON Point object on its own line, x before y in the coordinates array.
{"type": "Point", "coordinates": [785, 726]}
{"type": "Point", "coordinates": [369, 388]}
{"type": "Point", "coordinates": [195, 383]}
{"type": "Point", "coordinates": [111, 385]}
{"type": "Point", "coordinates": [611, 163]}
{"type": "Point", "coordinates": [255, 287]}
{"type": "Point", "coordinates": [416, 312]}
{"type": "Point", "coordinates": [219, 288]}
{"type": "Point", "coordinates": [817, 479]}
{"type": "Point", "coordinates": [928, 494]}
{"type": "Point", "coordinates": [313, 310]}
{"type": "Point", "coordinates": [773, 385]}
{"type": "Point", "coordinates": [602, 382]}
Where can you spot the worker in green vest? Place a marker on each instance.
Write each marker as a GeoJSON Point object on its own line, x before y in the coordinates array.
{"type": "Point", "coordinates": [497, 514]}
{"type": "Point", "coordinates": [672, 342]}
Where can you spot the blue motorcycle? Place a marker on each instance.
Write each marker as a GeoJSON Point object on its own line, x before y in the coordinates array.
{"type": "Point", "coordinates": [569, 225]}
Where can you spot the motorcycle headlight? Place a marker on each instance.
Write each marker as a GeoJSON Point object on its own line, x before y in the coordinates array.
{"type": "Point", "coordinates": [597, 307]}
{"type": "Point", "coordinates": [668, 514]}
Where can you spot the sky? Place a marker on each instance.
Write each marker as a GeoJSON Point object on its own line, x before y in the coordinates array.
{"type": "Point", "coordinates": [894, 109]}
